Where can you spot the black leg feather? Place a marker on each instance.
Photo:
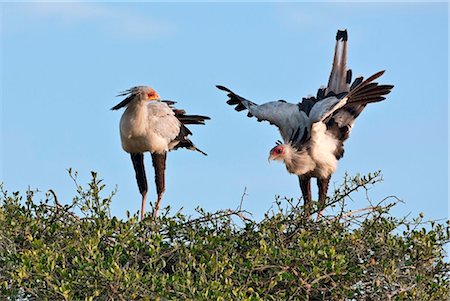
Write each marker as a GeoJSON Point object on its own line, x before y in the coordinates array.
{"type": "Point", "coordinates": [305, 186]}
{"type": "Point", "coordinates": [141, 178]}
{"type": "Point", "coordinates": [159, 163]}
{"type": "Point", "coordinates": [323, 189]}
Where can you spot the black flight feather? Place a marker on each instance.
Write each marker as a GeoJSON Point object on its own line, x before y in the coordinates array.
{"type": "Point", "coordinates": [235, 99]}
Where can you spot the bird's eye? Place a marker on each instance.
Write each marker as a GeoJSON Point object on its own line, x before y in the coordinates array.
{"type": "Point", "coordinates": [150, 95]}
{"type": "Point", "coordinates": [278, 151]}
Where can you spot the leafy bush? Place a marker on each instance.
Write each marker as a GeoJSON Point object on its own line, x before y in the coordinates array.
{"type": "Point", "coordinates": [50, 251]}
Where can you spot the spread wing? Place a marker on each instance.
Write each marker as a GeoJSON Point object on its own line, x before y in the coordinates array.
{"type": "Point", "coordinates": [286, 116]}
{"type": "Point", "coordinates": [337, 105]}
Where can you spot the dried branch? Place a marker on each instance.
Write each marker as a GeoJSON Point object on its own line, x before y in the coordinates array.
{"type": "Point", "coordinates": [353, 212]}
{"type": "Point", "coordinates": [399, 291]}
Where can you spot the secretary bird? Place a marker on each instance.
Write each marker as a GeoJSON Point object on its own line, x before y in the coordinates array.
{"type": "Point", "coordinates": [315, 129]}
{"type": "Point", "coordinates": [150, 124]}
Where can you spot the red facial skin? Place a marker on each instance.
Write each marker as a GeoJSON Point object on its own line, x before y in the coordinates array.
{"type": "Point", "coordinates": [277, 150]}
{"type": "Point", "coordinates": [152, 95]}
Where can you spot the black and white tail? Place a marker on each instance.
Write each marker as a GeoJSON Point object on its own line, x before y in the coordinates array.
{"type": "Point", "coordinates": [340, 76]}
{"type": "Point", "coordinates": [361, 93]}
{"type": "Point", "coordinates": [184, 142]}
{"type": "Point", "coordinates": [183, 118]}
{"type": "Point", "coordinates": [366, 91]}
{"type": "Point", "coordinates": [182, 138]}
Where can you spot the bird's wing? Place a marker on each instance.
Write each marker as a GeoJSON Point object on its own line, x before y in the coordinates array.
{"type": "Point", "coordinates": [324, 107]}
{"type": "Point", "coordinates": [173, 123]}
{"type": "Point", "coordinates": [286, 116]}
{"type": "Point", "coordinates": [183, 117]}
{"type": "Point", "coordinates": [162, 120]}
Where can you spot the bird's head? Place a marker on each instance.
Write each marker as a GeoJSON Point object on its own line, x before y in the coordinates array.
{"type": "Point", "coordinates": [147, 93]}
{"type": "Point", "coordinates": [280, 152]}
{"type": "Point", "coordinates": [277, 153]}
{"type": "Point", "coordinates": [137, 94]}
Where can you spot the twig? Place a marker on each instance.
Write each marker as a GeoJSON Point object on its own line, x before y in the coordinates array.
{"type": "Point", "coordinates": [55, 198]}
{"type": "Point", "coordinates": [350, 213]}
{"type": "Point", "coordinates": [304, 282]}
{"type": "Point", "coordinates": [59, 206]}
{"type": "Point", "coordinates": [399, 291]}
{"type": "Point", "coordinates": [325, 276]}
{"type": "Point", "coordinates": [242, 199]}
{"type": "Point", "coordinates": [243, 217]}
{"type": "Point", "coordinates": [218, 215]}
{"type": "Point", "coordinates": [116, 292]}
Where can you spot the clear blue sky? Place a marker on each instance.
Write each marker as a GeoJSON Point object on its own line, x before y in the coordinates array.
{"type": "Point", "coordinates": [63, 64]}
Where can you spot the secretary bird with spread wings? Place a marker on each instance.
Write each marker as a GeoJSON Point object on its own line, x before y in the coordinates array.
{"type": "Point", "coordinates": [315, 129]}
{"type": "Point", "coordinates": [150, 124]}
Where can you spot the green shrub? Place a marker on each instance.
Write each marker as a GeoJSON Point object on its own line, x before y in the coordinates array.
{"type": "Point", "coordinates": [50, 251]}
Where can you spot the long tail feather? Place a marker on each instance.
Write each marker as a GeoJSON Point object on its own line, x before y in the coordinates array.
{"type": "Point", "coordinates": [199, 150]}
{"type": "Point", "coordinates": [368, 91]}
{"type": "Point", "coordinates": [339, 76]}
{"type": "Point", "coordinates": [192, 119]}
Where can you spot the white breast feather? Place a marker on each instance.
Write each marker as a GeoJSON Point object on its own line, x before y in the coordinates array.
{"type": "Point", "coordinates": [150, 127]}
{"type": "Point", "coordinates": [298, 162]}
{"type": "Point", "coordinates": [322, 150]}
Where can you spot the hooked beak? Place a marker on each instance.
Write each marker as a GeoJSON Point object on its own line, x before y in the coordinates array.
{"type": "Point", "coordinates": [155, 97]}
{"type": "Point", "coordinates": [271, 156]}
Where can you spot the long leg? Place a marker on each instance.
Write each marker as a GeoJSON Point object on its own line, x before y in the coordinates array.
{"type": "Point", "coordinates": [159, 163]}
{"type": "Point", "coordinates": [323, 189]}
{"type": "Point", "coordinates": [141, 178]}
{"type": "Point", "coordinates": [305, 186]}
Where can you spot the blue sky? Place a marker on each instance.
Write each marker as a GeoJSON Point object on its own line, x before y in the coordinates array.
{"type": "Point", "coordinates": [63, 64]}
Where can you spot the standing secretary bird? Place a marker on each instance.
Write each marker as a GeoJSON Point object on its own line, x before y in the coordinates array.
{"type": "Point", "coordinates": [150, 124]}
{"type": "Point", "coordinates": [315, 129]}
